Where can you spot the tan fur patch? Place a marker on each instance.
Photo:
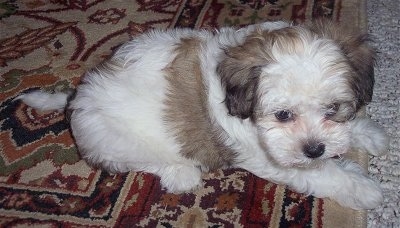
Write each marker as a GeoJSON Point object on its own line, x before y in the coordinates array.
{"type": "Point", "coordinates": [187, 112]}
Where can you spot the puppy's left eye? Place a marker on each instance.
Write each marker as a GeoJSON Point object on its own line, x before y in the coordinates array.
{"type": "Point", "coordinates": [332, 109]}
{"type": "Point", "coordinates": [284, 115]}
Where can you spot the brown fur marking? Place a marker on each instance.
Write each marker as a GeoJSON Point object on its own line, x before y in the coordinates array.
{"type": "Point", "coordinates": [187, 112]}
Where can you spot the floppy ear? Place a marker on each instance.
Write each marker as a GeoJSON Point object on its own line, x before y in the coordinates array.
{"type": "Point", "coordinates": [359, 54]}
{"type": "Point", "coordinates": [361, 58]}
{"type": "Point", "coordinates": [239, 71]}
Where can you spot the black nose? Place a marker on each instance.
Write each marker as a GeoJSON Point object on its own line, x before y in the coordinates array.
{"type": "Point", "coordinates": [313, 149]}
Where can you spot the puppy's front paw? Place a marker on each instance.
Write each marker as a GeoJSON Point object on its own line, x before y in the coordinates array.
{"type": "Point", "coordinates": [359, 192]}
{"type": "Point", "coordinates": [369, 136]}
{"type": "Point", "coordinates": [180, 178]}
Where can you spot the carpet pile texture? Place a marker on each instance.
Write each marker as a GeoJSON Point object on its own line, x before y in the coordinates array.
{"type": "Point", "coordinates": [384, 29]}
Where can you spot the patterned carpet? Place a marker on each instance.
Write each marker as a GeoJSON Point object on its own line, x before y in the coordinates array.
{"type": "Point", "coordinates": [43, 181]}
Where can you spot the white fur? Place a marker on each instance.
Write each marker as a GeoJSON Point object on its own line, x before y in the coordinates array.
{"type": "Point", "coordinates": [118, 122]}
{"type": "Point", "coordinates": [44, 101]}
{"type": "Point", "coordinates": [369, 136]}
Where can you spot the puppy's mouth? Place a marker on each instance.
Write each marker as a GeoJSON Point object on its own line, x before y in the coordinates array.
{"type": "Point", "coordinates": [310, 163]}
{"type": "Point", "coordinates": [303, 162]}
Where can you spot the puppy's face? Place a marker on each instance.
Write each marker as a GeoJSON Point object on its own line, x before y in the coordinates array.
{"type": "Point", "coordinates": [302, 108]}
{"type": "Point", "coordinates": [300, 86]}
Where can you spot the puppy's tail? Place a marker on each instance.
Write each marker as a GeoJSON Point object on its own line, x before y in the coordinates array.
{"type": "Point", "coordinates": [44, 101]}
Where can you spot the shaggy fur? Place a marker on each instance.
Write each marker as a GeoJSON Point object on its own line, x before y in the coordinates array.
{"type": "Point", "coordinates": [276, 99]}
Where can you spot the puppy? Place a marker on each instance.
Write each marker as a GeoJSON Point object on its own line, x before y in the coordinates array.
{"type": "Point", "coordinates": [276, 99]}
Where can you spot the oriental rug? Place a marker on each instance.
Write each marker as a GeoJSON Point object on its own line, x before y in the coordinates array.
{"type": "Point", "coordinates": [43, 181]}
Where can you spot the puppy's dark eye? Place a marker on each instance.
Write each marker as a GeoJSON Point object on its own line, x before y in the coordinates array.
{"type": "Point", "coordinates": [284, 115]}
{"type": "Point", "coordinates": [332, 109]}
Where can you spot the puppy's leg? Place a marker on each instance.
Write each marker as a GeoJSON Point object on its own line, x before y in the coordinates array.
{"type": "Point", "coordinates": [178, 178]}
{"type": "Point", "coordinates": [368, 136]}
{"type": "Point", "coordinates": [343, 182]}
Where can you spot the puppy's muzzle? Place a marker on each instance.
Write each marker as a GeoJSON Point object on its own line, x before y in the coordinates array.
{"type": "Point", "coordinates": [313, 149]}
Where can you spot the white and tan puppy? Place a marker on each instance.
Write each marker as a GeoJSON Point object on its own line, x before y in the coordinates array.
{"type": "Point", "coordinates": [276, 99]}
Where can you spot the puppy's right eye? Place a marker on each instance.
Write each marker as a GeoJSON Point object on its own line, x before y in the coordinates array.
{"type": "Point", "coordinates": [332, 109]}
{"type": "Point", "coordinates": [284, 115]}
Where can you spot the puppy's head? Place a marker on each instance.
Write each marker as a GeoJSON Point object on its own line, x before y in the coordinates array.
{"type": "Point", "coordinates": [300, 86]}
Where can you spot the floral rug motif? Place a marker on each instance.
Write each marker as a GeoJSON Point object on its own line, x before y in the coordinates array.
{"type": "Point", "coordinates": [44, 183]}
